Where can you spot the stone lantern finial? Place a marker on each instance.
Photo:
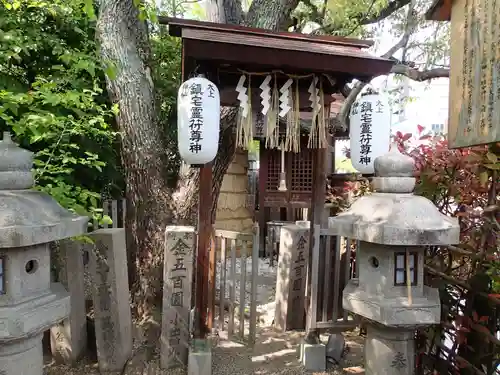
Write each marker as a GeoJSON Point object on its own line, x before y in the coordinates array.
{"type": "Point", "coordinates": [15, 165]}
{"type": "Point", "coordinates": [394, 172]}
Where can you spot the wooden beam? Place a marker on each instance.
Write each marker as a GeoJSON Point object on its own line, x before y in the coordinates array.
{"type": "Point", "coordinates": [204, 235]}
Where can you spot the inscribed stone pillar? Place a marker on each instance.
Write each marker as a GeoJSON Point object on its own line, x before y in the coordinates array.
{"type": "Point", "coordinates": [68, 340]}
{"type": "Point", "coordinates": [177, 284]}
{"type": "Point", "coordinates": [291, 282]}
{"type": "Point", "coordinates": [110, 295]}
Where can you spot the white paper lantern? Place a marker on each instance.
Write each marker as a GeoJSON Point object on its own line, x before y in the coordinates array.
{"type": "Point", "coordinates": [370, 131]}
{"type": "Point", "coordinates": [198, 120]}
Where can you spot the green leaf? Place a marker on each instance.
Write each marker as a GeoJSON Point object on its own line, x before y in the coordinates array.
{"type": "Point", "coordinates": [495, 167]}
{"type": "Point", "coordinates": [110, 70]}
{"type": "Point", "coordinates": [88, 8]}
{"type": "Point", "coordinates": [491, 157]}
{"type": "Point", "coordinates": [483, 178]}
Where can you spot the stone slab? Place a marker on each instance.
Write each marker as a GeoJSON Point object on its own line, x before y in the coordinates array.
{"type": "Point", "coordinates": [291, 279]}
{"type": "Point", "coordinates": [68, 339]}
{"type": "Point", "coordinates": [177, 276]}
{"type": "Point", "coordinates": [313, 356]}
{"type": "Point", "coordinates": [335, 347]}
{"type": "Point", "coordinates": [110, 295]}
{"type": "Point", "coordinates": [200, 363]}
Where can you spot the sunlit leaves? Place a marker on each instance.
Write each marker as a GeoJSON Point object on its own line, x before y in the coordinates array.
{"type": "Point", "coordinates": [53, 100]}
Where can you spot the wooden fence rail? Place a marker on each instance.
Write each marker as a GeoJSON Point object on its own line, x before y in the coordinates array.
{"type": "Point", "coordinates": [337, 253]}
{"type": "Point", "coordinates": [233, 254]}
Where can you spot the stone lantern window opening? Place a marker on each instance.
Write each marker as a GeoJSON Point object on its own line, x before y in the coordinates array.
{"type": "Point", "coordinates": [401, 268]}
{"type": "Point", "coordinates": [2, 273]}
{"type": "Point", "coordinates": [373, 262]}
{"type": "Point", "coordinates": [31, 266]}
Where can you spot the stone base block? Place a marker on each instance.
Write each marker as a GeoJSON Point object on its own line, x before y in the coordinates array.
{"type": "Point", "coordinates": [200, 363]}
{"type": "Point", "coordinates": [22, 356]}
{"type": "Point", "coordinates": [313, 356]}
{"type": "Point", "coordinates": [389, 351]}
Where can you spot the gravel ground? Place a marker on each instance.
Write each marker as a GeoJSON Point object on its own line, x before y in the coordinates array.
{"type": "Point", "coordinates": [273, 353]}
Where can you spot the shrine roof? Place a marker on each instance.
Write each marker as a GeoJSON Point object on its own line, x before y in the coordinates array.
{"type": "Point", "coordinates": [238, 47]}
{"type": "Point", "coordinates": [440, 10]}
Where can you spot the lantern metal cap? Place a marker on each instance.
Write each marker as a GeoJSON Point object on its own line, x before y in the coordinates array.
{"type": "Point", "coordinates": [392, 215]}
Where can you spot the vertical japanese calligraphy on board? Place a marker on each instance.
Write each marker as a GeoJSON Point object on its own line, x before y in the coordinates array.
{"type": "Point", "coordinates": [475, 73]}
{"type": "Point", "coordinates": [177, 284]}
{"type": "Point", "coordinates": [291, 281]}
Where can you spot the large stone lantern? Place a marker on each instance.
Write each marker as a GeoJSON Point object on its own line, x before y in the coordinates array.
{"type": "Point", "coordinates": [393, 227]}
{"type": "Point", "coordinates": [29, 303]}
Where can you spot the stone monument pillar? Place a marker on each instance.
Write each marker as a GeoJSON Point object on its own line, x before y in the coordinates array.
{"type": "Point", "coordinates": [394, 226]}
{"type": "Point", "coordinates": [29, 303]}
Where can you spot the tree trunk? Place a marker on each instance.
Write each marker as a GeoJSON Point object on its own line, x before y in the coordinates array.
{"type": "Point", "coordinates": [124, 44]}
{"type": "Point", "coordinates": [186, 196]}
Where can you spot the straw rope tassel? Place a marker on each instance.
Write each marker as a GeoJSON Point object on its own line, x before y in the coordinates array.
{"type": "Point", "coordinates": [408, 278]}
{"type": "Point", "coordinates": [322, 141]}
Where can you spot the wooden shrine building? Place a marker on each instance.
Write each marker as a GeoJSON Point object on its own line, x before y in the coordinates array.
{"type": "Point", "coordinates": [283, 84]}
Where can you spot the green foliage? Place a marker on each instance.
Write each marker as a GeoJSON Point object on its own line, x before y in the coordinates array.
{"type": "Point", "coordinates": [166, 57]}
{"type": "Point", "coordinates": [52, 99]}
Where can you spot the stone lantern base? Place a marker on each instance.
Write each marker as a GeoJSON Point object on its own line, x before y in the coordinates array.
{"type": "Point", "coordinates": [389, 351]}
{"type": "Point", "coordinates": [22, 356]}
{"type": "Point", "coordinates": [21, 331]}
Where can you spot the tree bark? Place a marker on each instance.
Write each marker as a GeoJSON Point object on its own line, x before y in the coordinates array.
{"type": "Point", "coordinates": [185, 202]}
{"type": "Point", "coordinates": [124, 45]}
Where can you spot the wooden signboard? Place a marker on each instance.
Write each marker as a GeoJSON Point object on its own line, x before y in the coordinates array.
{"type": "Point", "coordinates": [475, 73]}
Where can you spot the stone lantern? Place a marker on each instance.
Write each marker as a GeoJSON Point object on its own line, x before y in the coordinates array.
{"type": "Point", "coordinates": [29, 303]}
{"type": "Point", "coordinates": [393, 227]}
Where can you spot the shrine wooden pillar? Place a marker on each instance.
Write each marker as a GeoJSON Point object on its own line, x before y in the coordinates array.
{"type": "Point", "coordinates": [315, 217]}
{"type": "Point", "coordinates": [202, 260]}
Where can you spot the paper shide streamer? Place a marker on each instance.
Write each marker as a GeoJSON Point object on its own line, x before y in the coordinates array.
{"type": "Point", "coordinates": [281, 103]}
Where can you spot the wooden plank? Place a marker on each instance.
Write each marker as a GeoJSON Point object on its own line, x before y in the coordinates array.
{"type": "Point", "coordinates": [327, 277]}
{"type": "Point", "coordinates": [312, 322]}
{"type": "Point", "coordinates": [212, 268]}
{"type": "Point", "coordinates": [340, 325]}
{"type": "Point", "coordinates": [253, 290]}
{"type": "Point", "coordinates": [222, 283]}
{"type": "Point", "coordinates": [336, 278]}
{"type": "Point", "coordinates": [229, 234]}
{"type": "Point", "coordinates": [232, 290]}
{"type": "Point", "coordinates": [263, 172]}
{"type": "Point", "coordinates": [315, 217]}
{"type": "Point", "coordinates": [243, 274]}
{"type": "Point", "coordinates": [203, 251]}
{"type": "Point", "coordinates": [474, 102]}
{"type": "Point", "coordinates": [114, 213]}
{"type": "Point", "coordinates": [347, 273]}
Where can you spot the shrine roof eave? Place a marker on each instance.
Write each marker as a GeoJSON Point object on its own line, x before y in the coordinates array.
{"type": "Point", "coordinates": [440, 10]}
{"type": "Point", "coordinates": [260, 50]}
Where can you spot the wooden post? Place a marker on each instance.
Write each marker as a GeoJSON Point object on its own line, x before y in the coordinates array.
{"type": "Point", "coordinates": [204, 234]}
{"type": "Point", "coordinates": [315, 216]}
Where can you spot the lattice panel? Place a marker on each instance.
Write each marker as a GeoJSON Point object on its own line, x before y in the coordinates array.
{"type": "Point", "coordinates": [273, 169]}
{"type": "Point", "coordinates": [302, 171]}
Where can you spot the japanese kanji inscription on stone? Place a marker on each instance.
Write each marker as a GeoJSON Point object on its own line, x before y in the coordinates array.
{"type": "Point", "coordinates": [177, 277]}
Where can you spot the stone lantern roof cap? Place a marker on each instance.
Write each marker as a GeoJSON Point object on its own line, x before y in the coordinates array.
{"type": "Point", "coordinates": [393, 215]}
{"type": "Point", "coordinates": [29, 217]}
